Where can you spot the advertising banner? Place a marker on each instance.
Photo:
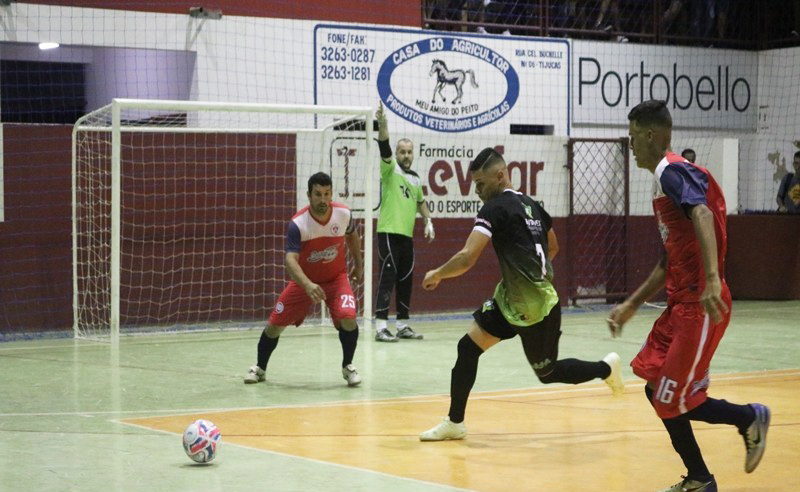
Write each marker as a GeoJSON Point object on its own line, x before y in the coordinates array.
{"type": "Point", "coordinates": [709, 89]}
{"type": "Point", "coordinates": [536, 168]}
{"type": "Point", "coordinates": [448, 83]}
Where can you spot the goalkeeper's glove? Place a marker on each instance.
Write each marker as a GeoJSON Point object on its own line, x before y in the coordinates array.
{"type": "Point", "coordinates": [429, 233]}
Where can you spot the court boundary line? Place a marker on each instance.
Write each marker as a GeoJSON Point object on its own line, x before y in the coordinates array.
{"type": "Point", "coordinates": [482, 395]}
{"type": "Point", "coordinates": [312, 460]}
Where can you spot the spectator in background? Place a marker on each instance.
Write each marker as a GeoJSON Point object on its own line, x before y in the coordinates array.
{"type": "Point", "coordinates": [703, 17]}
{"type": "Point", "coordinates": [796, 18]}
{"type": "Point", "coordinates": [610, 23]}
{"type": "Point", "coordinates": [504, 15]}
{"type": "Point", "coordinates": [689, 155]}
{"type": "Point", "coordinates": [695, 18]}
{"type": "Point", "coordinates": [475, 11]}
{"type": "Point", "coordinates": [449, 10]}
{"type": "Point", "coordinates": [672, 13]}
{"type": "Point", "coordinates": [789, 189]}
{"type": "Point", "coordinates": [570, 14]}
{"type": "Point", "coordinates": [723, 8]}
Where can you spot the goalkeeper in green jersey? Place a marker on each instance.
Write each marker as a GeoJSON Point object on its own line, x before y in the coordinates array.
{"type": "Point", "coordinates": [401, 199]}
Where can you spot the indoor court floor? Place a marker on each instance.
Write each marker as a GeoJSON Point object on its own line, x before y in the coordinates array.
{"type": "Point", "coordinates": [79, 416]}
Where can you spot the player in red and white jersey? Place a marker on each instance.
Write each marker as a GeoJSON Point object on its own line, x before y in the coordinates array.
{"type": "Point", "coordinates": [674, 360]}
{"type": "Point", "coordinates": [679, 181]}
{"type": "Point", "coordinates": [320, 244]}
{"type": "Point", "coordinates": [316, 261]}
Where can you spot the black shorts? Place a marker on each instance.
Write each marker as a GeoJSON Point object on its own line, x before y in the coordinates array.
{"type": "Point", "coordinates": [540, 341]}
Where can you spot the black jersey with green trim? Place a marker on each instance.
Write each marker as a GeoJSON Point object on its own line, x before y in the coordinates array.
{"type": "Point", "coordinates": [518, 227]}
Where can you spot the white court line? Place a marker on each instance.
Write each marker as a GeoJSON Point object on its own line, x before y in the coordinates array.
{"type": "Point", "coordinates": [312, 460]}
{"type": "Point", "coordinates": [484, 395]}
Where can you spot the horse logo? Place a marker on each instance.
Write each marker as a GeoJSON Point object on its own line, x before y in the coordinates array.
{"type": "Point", "coordinates": [452, 77]}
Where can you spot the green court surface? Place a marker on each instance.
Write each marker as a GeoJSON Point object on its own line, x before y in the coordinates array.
{"type": "Point", "coordinates": [77, 415]}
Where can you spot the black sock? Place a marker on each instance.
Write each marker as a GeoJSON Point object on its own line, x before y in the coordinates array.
{"type": "Point", "coordinates": [722, 412]}
{"type": "Point", "coordinates": [574, 371]}
{"type": "Point", "coordinates": [462, 377]}
{"type": "Point", "coordinates": [349, 340]}
{"type": "Point", "coordinates": [685, 444]}
{"type": "Point", "coordinates": [265, 347]}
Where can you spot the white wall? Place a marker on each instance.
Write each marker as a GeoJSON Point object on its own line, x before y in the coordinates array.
{"type": "Point", "coordinates": [272, 61]}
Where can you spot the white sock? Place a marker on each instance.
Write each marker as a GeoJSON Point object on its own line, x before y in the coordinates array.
{"type": "Point", "coordinates": [380, 324]}
{"type": "Point", "coordinates": [400, 324]}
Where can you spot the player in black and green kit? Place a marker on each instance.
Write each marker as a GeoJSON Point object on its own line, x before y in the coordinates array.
{"type": "Point", "coordinates": [401, 199]}
{"type": "Point", "coordinates": [524, 303]}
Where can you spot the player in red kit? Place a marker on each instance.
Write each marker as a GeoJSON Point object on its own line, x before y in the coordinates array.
{"type": "Point", "coordinates": [315, 259]}
{"type": "Point", "coordinates": [674, 360]}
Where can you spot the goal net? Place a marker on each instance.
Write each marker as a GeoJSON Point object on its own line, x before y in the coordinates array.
{"type": "Point", "coordinates": [180, 209]}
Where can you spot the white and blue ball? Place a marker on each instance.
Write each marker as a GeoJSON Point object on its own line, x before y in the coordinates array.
{"type": "Point", "coordinates": [201, 440]}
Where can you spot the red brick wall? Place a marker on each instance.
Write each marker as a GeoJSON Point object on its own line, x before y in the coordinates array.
{"type": "Point", "coordinates": [36, 258]}
{"type": "Point", "coordinates": [35, 238]}
{"type": "Point", "coordinates": [764, 256]}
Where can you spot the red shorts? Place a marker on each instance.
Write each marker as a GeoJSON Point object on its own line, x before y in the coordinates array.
{"type": "Point", "coordinates": [293, 303]}
{"type": "Point", "coordinates": [676, 355]}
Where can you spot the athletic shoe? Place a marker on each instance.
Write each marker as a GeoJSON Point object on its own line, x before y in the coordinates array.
{"type": "Point", "coordinates": [687, 485]}
{"type": "Point", "coordinates": [350, 374]}
{"type": "Point", "coordinates": [755, 437]}
{"type": "Point", "coordinates": [255, 375]}
{"type": "Point", "coordinates": [445, 431]}
{"type": "Point", "coordinates": [408, 334]}
{"type": "Point", "coordinates": [614, 380]}
{"type": "Point", "coordinates": [384, 335]}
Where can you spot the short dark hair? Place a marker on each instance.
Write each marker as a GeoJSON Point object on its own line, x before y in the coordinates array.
{"type": "Point", "coordinates": [797, 154]}
{"type": "Point", "coordinates": [686, 151]}
{"type": "Point", "coordinates": [651, 113]}
{"type": "Point", "coordinates": [319, 178]}
{"type": "Point", "coordinates": [485, 158]}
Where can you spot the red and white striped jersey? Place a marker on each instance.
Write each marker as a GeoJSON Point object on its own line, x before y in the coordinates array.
{"type": "Point", "coordinates": [320, 244]}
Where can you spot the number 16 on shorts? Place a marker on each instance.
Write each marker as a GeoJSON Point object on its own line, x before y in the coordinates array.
{"type": "Point", "coordinates": [665, 391]}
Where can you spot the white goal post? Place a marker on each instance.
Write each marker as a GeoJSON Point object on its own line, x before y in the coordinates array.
{"type": "Point", "coordinates": [180, 208]}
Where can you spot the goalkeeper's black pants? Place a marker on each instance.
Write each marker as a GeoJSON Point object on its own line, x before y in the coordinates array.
{"type": "Point", "coordinates": [396, 259]}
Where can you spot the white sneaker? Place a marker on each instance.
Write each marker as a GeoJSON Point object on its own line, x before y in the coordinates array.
{"type": "Point", "coordinates": [350, 374]}
{"type": "Point", "coordinates": [614, 380]}
{"type": "Point", "coordinates": [255, 375]}
{"type": "Point", "coordinates": [445, 431]}
{"type": "Point", "coordinates": [384, 335]}
{"type": "Point", "coordinates": [408, 334]}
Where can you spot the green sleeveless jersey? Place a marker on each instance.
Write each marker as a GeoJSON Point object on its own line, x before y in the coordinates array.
{"type": "Point", "coordinates": [401, 192]}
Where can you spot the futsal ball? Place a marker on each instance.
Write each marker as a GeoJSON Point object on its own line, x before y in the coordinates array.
{"type": "Point", "coordinates": [200, 441]}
